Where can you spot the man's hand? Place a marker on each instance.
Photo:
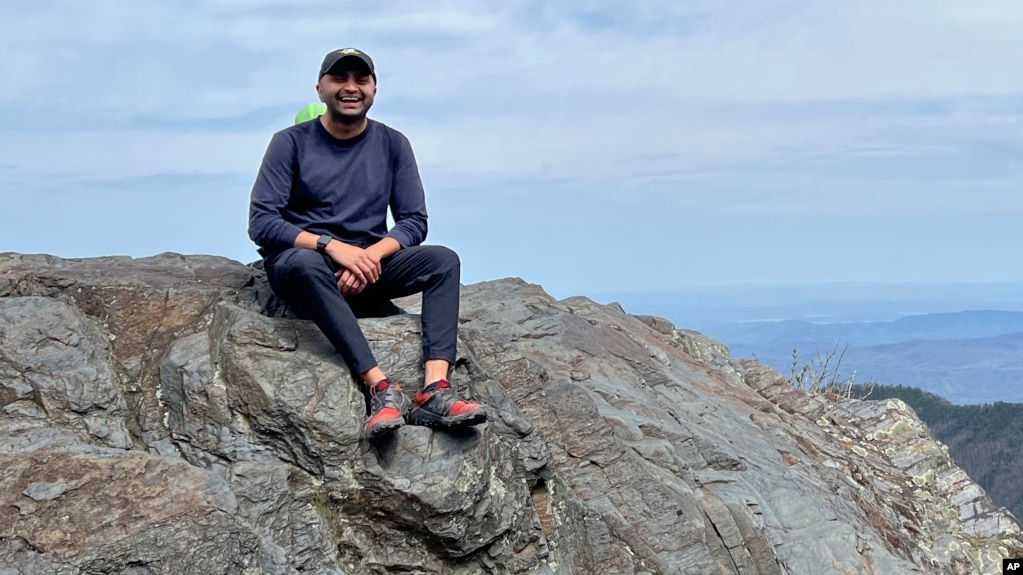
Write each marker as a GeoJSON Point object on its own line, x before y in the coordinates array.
{"type": "Point", "coordinates": [363, 264]}
{"type": "Point", "coordinates": [348, 284]}
{"type": "Point", "coordinates": [383, 249]}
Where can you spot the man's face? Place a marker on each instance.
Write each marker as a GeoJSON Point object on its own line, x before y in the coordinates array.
{"type": "Point", "coordinates": [348, 92]}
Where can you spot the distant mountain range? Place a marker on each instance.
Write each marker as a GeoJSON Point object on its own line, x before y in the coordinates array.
{"type": "Point", "coordinates": [931, 326]}
{"type": "Point", "coordinates": [980, 370]}
{"type": "Point", "coordinates": [704, 308]}
{"type": "Point", "coordinates": [966, 357]}
{"type": "Point", "coordinates": [900, 334]}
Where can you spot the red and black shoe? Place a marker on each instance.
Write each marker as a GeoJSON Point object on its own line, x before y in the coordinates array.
{"type": "Point", "coordinates": [437, 405]}
{"type": "Point", "coordinates": [387, 408]}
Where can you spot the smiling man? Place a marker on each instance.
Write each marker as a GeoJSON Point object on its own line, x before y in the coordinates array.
{"type": "Point", "coordinates": [319, 216]}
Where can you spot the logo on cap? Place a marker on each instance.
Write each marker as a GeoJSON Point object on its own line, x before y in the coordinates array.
{"type": "Point", "coordinates": [349, 51]}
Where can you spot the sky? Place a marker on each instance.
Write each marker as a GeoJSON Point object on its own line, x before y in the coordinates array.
{"type": "Point", "coordinates": [586, 146]}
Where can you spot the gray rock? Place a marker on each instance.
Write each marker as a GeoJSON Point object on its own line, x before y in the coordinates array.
{"type": "Point", "coordinates": [54, 357]}
{"type": "Point", "coordinates": [159, 415]}
{"type": "Point", "coordinates": [123, 509]}
{"type": "Point", "coordinates": [280, 502]}
{"type": "Point", "coordinates": [456, 494]}
{"type": "Point", "coordinates": [17, 557]}
{"type": "Point", "coordinates": [287, 387]}
{"type": "Point", "coordinates": [42, 491]}
{"type": "Point", "coordinates": [715, 430]}
{"type": "Point", "coordinates": [142, 304]}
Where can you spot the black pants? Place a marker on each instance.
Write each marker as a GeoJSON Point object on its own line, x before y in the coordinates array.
{"type": "Point", "coordinates": [305, 280]}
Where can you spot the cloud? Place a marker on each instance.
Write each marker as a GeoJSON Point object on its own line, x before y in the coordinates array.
{"type": "Point", "coordinates": [528, 113]}
{"type": "Point", "coordinates": [580, 78]}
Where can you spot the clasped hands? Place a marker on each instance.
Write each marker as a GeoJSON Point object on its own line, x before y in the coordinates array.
{"type": "Point", "coordinates": [359, 267]}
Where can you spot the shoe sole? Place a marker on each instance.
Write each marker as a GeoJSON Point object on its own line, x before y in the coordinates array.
{"type": "Point", "coordinates": [384, 427]}
{"type": "Point", "coordinates": [428, 419]}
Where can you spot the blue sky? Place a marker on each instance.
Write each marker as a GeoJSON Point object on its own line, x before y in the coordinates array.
{"type": "Point", "coordinates": [578, 145]}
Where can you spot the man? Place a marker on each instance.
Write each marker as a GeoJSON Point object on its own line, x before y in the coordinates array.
{"type": "Point", "coordinates": [319, 216]}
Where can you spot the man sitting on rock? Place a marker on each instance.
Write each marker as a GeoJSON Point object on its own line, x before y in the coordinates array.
{"type": "Point", "coordinates": [319, 216]}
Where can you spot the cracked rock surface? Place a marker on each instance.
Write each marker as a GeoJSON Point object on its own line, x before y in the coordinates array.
{"type": "Point", "coordinates": [163, 415]}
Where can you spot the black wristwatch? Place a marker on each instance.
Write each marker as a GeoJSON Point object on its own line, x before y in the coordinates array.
{"type": "Point", "coordinates": [321, 244]}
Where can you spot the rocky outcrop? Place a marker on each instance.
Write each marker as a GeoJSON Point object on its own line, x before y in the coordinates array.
{"type": "Point", "coordinates": [159, 415]}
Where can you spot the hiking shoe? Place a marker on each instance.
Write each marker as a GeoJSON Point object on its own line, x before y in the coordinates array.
{"type": "Point", "coordinates": [387, 408]}
{"type": "Point", "coordinates": [437, 405]}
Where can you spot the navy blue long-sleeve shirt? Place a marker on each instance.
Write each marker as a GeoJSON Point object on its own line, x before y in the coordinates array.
{"type": "Point", "coordinates": [311, 181]}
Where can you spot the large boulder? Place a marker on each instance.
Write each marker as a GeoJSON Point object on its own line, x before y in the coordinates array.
{"type": "Point", "coordinates": [158, 415]}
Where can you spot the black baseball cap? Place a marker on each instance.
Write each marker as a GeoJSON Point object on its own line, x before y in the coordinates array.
{"type": "Point", "coordinates": [332, 58]}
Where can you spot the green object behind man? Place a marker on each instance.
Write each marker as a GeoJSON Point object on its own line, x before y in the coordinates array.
{"type": "Point", "coordinates": [310, 111]}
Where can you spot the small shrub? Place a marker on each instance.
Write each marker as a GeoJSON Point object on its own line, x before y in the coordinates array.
{"type": "Point", "coordinates": [822, 373]}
